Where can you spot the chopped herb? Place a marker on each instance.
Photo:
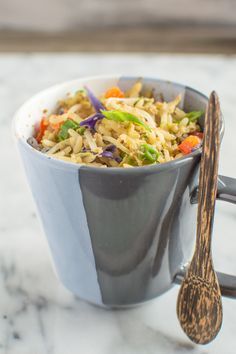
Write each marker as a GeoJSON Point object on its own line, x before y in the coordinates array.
{"type": "Point", "coordinates": [194, 115]}
{"type": "Point", "coordinates": [129, 160]}
{"type": "Point", "coordinates": [69, 124]}
{"type": "Point", "coordinates": [122, 154]}
{"type": "Point", "coordinates": [118, 116]}
{"type": "Point", "coordinates": [81, 91]}
{"type": "Point", "coordinates": [149, 153]}
{"type": "Point", "coordinates": [81, 130]}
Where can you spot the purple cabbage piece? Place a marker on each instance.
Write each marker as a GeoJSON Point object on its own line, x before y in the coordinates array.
{"type": "Point", "coordinates": [118, 159]}
{"type": "Point", "coordinates": [109, 153]}
{"type": "Point", "coordinates": [91, 121]}
{"type": "Point", "coordinates": [110, 148]}
{"type": "Point", "coordinates": [94, 100]}
{"type": "Point", "coordinates": [98, 106]}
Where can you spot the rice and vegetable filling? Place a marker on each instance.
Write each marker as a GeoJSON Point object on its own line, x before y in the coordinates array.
{"type": "Point", "coordinates": [118, 129]}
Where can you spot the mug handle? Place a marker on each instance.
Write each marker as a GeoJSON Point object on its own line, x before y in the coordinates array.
{"type": "Point", "coordinates": [226, 191]}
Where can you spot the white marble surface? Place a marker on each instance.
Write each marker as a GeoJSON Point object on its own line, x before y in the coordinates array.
{"type": "Point", "coordinates": [37, 315]}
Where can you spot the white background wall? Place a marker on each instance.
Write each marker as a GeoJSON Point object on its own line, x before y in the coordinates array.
{"type": "Point", "coordinates": [59, 15]}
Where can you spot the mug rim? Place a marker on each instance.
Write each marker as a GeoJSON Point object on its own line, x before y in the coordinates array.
{"type": "Point", "coordinates": [71, 165]}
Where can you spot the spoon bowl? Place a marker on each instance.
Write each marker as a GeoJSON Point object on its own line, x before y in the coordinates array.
{"type": "Point", "coordinates": [196, 292]}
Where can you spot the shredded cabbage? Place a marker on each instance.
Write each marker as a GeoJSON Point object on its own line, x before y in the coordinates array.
{"type": "Point", "coordinates": [129, 130]}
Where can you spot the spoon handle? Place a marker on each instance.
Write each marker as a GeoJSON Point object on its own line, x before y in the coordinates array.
{"type": "Point", "coordinates": [208, 182]}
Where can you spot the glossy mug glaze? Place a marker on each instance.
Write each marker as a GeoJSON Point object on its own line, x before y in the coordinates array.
{"type": "Point", "coordinates": [118, 237]}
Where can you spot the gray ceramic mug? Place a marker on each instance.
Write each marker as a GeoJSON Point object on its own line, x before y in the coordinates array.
{"type": "Point", "coordinates": [118, 237]}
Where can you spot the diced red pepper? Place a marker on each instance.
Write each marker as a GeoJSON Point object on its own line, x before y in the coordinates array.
{"type": "Point", "coordinates": [199, 134]}
{"type": "Point", "coordinates": [42, 128]}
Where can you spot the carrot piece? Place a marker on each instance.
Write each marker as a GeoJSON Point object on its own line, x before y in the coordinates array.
{"type": "Point", "coordinates": [114, 92]}
{"type": "Point", "coordinates": [56, 126]}
{"type": "Point", "coordinates": [185, 148]}
{"type": "Point", "coordinates": [42, 128]}
{"type": "Point", "coordinates": [189, 143]}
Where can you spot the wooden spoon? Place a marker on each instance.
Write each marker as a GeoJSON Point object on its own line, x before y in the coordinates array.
{"type": "Point", "coordinates": [199, 306]}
